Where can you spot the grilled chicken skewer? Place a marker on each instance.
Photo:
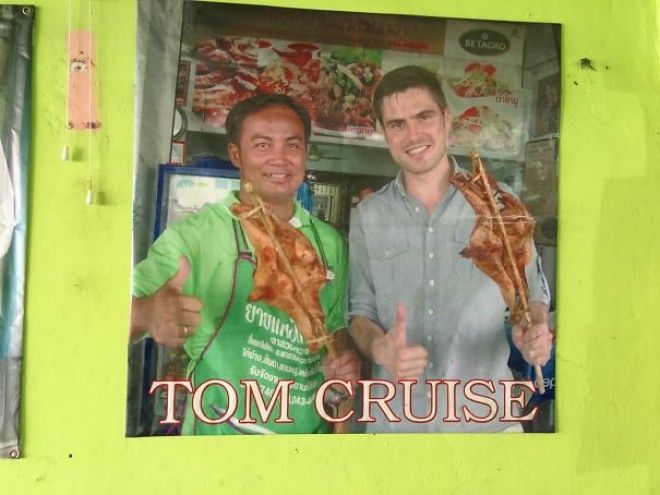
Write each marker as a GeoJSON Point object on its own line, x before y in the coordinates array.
{"type": "Point", "coordinates": [501, 242]}
{"type": "Point", "coordinates": [289, 277]}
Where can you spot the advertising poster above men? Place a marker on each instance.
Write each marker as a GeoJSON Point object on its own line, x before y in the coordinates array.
{"type": "Point", "coordinates": [293, 302]}
{"type": "Point", "coordinates": [483, 84]}
{"type": "Point", "coordinates": [335, 83]}
{"type": "Point", "coordinates": [309, 56]}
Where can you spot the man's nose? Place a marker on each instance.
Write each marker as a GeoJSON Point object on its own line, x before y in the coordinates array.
{"type": "Point", "coordinates": [413, 130]}
{"type": "Point", "coordinates": [279, 153]}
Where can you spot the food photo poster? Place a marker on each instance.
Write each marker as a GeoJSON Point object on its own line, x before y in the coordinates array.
{"type": "Point", "coordinates": [331, 63]}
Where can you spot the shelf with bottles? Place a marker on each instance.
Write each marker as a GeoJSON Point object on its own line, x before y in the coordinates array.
{"type": "Point", "coordinates": [334, 195]}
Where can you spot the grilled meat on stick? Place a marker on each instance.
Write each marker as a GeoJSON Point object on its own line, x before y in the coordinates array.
{"type": "Point", "coordinates": [501, 241]}
{"type": "Point", "coordinates": [487, 246]}
{"type": "Point", "coordinates": [289, 275]}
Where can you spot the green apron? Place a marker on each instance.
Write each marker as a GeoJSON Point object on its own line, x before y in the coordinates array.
{"type": "Point", "coordinates": [254, 341]}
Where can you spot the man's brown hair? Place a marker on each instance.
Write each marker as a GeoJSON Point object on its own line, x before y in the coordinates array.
{"type": "Point", "coordinates": [403, 78]}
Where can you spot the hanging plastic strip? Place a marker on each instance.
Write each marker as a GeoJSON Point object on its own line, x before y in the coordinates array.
{"type": "Point", "coordinates": [16, 24]}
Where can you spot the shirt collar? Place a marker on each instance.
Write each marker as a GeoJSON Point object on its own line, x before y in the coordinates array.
{"type": "Point", "coordinates": [398, 184]}
{"type": "Point", "coordinates": [300, 218]}
{"type": "Point", "coordinates": [401, 188]}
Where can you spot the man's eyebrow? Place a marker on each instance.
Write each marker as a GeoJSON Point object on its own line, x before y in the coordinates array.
{"type": "Point", "coordinates": [394, 121]}
{"type": "Point", "coordinates": [265, 137]}
{"type": "Point", "coordinates": [426, 112]}
{"type": "Point", "coordinates": [258, 137]}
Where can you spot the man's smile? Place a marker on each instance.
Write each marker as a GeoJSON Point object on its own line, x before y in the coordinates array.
{"type": "Point", "coordinates": [418, 149]}
{"type": "Point", "coordinates": [277, 176]}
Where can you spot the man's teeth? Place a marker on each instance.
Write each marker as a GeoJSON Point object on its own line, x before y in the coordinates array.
{"type": "Point", "coordinates": [276, 176]}
{"type": "Point", "coordinates": [417, 149]}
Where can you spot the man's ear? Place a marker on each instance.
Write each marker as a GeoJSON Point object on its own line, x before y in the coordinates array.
{"type": "Point", "coordinates": [234, 154]}
{"type": "Point", "coordinates": [447, 122]}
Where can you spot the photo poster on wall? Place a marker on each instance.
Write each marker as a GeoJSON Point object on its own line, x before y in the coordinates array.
{"type": "Point", "coordinates": [331, 62]}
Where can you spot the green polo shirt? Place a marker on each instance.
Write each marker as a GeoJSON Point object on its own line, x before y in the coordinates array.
{"type": "Point", "coordinates": [207, 239]}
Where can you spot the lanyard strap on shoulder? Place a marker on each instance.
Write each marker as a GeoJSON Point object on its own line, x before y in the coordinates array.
{"type": "Point", "coordinates": [242, 247]}
{"type": "Point", "coordinates": [319, 244]}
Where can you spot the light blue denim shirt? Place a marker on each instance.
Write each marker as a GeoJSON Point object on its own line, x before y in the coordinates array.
{"type": "Point", "coordinates": [399, 253]}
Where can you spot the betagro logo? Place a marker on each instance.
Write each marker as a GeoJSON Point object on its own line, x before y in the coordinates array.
{"type": "Point", "coordinates": [484, 42]}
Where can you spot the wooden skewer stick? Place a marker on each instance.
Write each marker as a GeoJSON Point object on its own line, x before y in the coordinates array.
{"type": "Point", "coordinates": [317, 326]}
{"type": "Point", "coordinates": [521, 294]}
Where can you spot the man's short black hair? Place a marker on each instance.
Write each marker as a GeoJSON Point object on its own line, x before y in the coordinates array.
{"type": "Point", "coordinates": [403, 78]}
{"type": "Point", "coordinates": [247, 107]}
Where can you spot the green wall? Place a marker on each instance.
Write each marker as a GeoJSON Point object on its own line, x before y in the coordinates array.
{"type": "Point", "coordinates": [80, 261]}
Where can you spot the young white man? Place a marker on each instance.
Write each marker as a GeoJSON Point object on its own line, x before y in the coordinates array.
{"type": "Point", "coordinates": [418, 309]}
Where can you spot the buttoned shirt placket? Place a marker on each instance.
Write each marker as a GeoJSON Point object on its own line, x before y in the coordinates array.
{"type": "Point", "coordinates": [433, 237]}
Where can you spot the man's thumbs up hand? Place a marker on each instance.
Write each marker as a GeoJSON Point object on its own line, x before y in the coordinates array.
{"type": "Point", "coordinates": [394, 354]}
{"type": "Point", "coordinates": [178, 280]}
{"type": "Point", "coordinates": [167, 315]}
{"type": "Point", "coordinates": [398, 331]}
